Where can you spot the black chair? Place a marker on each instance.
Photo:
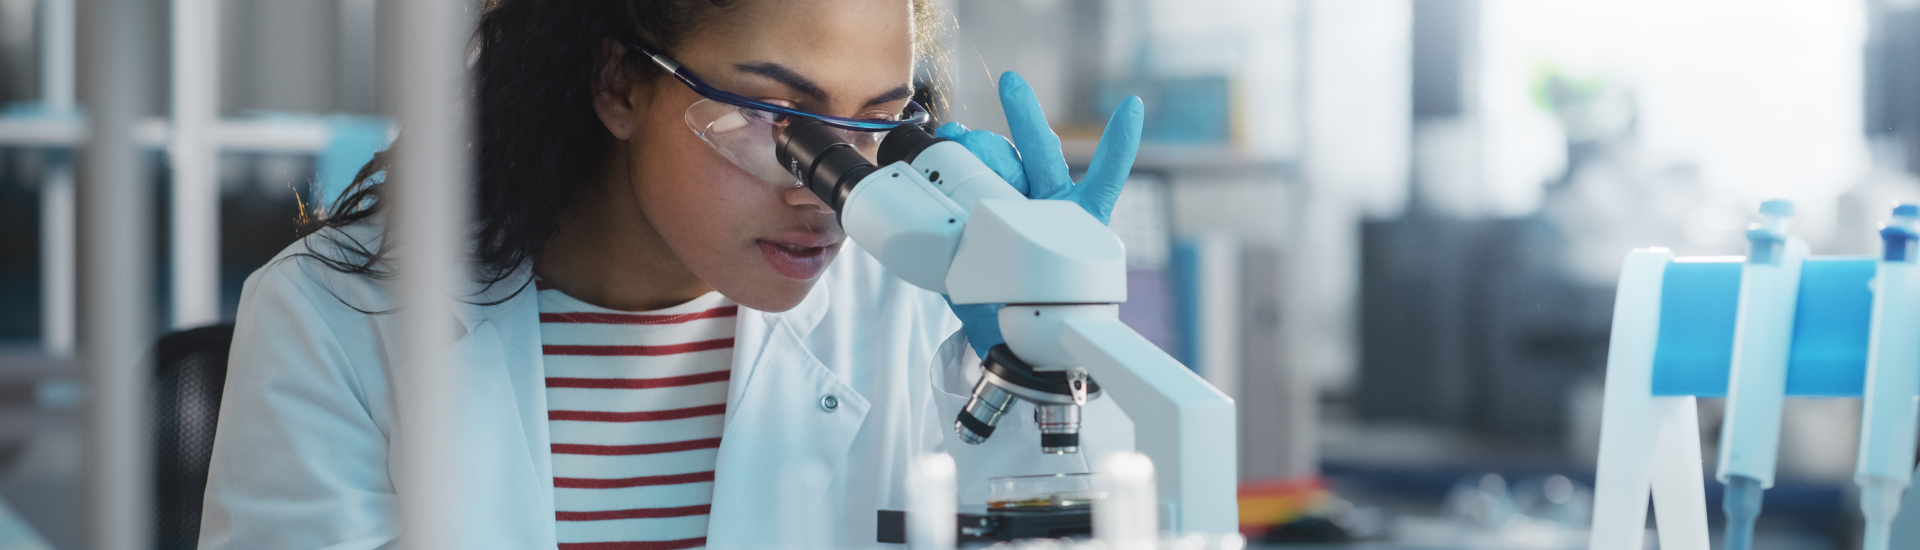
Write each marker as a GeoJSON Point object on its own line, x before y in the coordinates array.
{"type": "Point", "coordinates": [191, 373]}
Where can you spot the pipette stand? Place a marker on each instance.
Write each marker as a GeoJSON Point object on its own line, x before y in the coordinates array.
{"type": "Point", "coordinates": [1685, 328]}
{"type": "Point", "coordinates": [1637, 426]}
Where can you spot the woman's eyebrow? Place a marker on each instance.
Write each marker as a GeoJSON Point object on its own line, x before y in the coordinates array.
{"type": "Point", "coordinates": [782, 74]}
{"type": "Point", "coordinates": [896, 94]}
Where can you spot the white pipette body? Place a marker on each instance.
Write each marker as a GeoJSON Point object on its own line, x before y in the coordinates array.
{"type": "Point", "coordinates": [1756, 387]}
{"type": "Point", "coordinates": [1127, 517]}
{"type": "Point", "coordinates": [932, 502]}
{"type": "Point", "coordinates": [1887, 428]}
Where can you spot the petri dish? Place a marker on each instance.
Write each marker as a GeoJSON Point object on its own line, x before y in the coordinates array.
{"type": "Point", "coordinates": [1041, 491]}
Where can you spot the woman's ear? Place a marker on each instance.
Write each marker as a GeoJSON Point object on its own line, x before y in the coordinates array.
{"type": "Point", "coordinates": [614, 91]}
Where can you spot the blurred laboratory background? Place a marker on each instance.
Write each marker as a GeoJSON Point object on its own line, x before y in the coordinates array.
{"type": "Point", "coordinates": [1390, 229]}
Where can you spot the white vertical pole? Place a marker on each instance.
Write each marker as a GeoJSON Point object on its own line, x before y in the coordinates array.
{"type": "Point", "coordinates": [56, 191]}
{"type": "Point", "coordinates": [56, 54]}
{"type": "Point", "coordinates": [431, 191]}
{"type": "Point", "coordinates": [195, 208]}
{"type": "Point", "coordinates": [1219, 296]}
{"type": "Point", "coordinates": [57, 277]}
{"type": "Point", "coordinates": [116, 270]}
{"type": "Point", "coordinates": [359, 51]}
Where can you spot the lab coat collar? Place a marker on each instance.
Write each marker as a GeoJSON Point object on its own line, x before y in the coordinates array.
{"type": "Point", "coordinates": [755, 329]}
{"type": "Point", "coordinates": [776, 407]}
{"type": "Point", "coordinates": [753, 333]}
{"type": "Point", "coordinates": [781, 433]}
{"type": "Point", "coordinates": [790, 426]}
{"type": "Point", "coordinates": [502, 383]}
{"type": "Point", "coordinates": [483, 302]}
{"type": "Point", "coordinates": [514, 301]}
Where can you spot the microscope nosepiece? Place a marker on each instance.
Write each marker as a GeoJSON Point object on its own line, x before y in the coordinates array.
{"type": "Point", "coordinates": [1005, 378]}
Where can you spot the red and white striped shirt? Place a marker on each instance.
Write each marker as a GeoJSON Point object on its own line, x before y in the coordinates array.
{"type": "Point", "coordinates": [635, 404]}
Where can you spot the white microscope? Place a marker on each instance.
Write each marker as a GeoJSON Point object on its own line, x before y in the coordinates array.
{"type": "Point", "coordinates": [940, 219]}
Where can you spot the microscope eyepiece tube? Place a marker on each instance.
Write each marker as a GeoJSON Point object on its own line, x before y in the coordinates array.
{"type": "Point", "coordinates": [830, 167]}
{"type": "Point", "coordinates": [824, 163]}
{"type": "Point", "coordinates": [905, 143]}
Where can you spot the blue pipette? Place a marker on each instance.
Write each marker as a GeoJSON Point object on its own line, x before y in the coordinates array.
{"type": "Point", "coordinates": [1756, 387]}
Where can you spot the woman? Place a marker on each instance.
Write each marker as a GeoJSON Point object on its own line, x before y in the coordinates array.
{"type": "Point", "coordinates": [666, 345]}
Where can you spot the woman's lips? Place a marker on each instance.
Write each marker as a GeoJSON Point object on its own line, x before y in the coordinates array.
{"type": "Point", "coordinates": [794, 260]}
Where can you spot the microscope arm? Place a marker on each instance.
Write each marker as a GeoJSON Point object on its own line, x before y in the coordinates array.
{"type": "Point", "coordinates": [1180, 422]}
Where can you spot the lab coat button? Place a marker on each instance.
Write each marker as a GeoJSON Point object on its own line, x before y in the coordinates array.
{"type": "Point", "coordinates": [829, 403]}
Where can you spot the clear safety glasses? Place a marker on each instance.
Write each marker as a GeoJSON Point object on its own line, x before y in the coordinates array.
{"type": "Point", "coordinates": [743, 129]}
{"type": "Point", "coordinates": [746, 137]}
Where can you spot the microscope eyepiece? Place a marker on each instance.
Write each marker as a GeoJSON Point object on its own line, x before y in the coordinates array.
{"type": "Point", "coordinates": [824, 163]}
{"type": "Point", "coordinates": [905, 143]}
{"type": "Point", "coordinates": [829, 166]}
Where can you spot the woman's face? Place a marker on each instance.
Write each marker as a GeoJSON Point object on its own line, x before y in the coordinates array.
{"type": "Point", "coordinates": [763, 246]}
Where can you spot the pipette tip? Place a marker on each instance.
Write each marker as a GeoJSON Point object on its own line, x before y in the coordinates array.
{"type": "Point", "coordinates": [1879, 503]}
{"type": "Point", "coordinates": [1742, 507]}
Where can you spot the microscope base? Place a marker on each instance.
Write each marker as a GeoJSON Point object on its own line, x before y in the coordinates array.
{"type": "Point", "coordinates": [981, 524]}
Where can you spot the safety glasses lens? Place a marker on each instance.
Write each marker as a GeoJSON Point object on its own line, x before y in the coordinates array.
{"type": "Point", "coordinates": [747, 137]}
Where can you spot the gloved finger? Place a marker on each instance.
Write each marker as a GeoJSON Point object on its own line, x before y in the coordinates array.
{"type": "Point", "coordinates": [950, 129]}
{"type": "Point", "coordinates": [1112, 160]}
{"type": "Point", "coordinates": [992, 150]}
{"type": "Point", "coordinates": [1039, 146]}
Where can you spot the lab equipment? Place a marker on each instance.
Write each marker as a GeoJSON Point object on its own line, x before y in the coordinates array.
{"type": "Point", "coordinates": [1041, 491]}
{"type": "Point", "coordinates": [1042, 173]}
{"type": "Point", "coordinates": [1884, 466]}
{"type": "Point", "coordinates": [1750, 436]}
{"type": "Point", "coordinates": [976, 524]}
{"type": "Point", "coordinates": [930, 503]}
{"type": "Point", "coordinates": [1125, 520]}
{"type": "Point", "coordinates": [1735, 327]}
{"type": "Point", "coordinates": [1018, 507]}
{"type": "Point", "coordinates": [992, 149]}
{"type": "Point", "coordinates": [937, 217]}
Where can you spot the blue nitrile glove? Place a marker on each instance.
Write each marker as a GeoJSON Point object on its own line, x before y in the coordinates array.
{"type": "Point", "coordinates": [1032, 162]}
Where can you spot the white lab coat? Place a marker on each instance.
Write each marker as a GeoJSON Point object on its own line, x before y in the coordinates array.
{"type": "Point", "coordinates": [306, 454]}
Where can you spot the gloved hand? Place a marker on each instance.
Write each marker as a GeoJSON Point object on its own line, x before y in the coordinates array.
{"type": "Point", "coordinates": [1032, 162]}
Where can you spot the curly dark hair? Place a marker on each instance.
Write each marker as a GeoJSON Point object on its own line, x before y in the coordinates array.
{"type": "Point", "coordinates": [538, 139]}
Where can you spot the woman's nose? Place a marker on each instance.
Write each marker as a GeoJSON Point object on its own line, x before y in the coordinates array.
{"type": "Point", "coordinates": [801, 196]}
